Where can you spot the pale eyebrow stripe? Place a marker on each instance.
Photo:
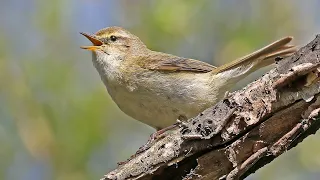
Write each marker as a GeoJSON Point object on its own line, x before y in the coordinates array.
{"type": "Point", "coordinates": [121, 34]}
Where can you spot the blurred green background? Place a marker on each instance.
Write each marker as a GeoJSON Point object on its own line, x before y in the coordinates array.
{"type": "Point", "coordinates": [57, 120]}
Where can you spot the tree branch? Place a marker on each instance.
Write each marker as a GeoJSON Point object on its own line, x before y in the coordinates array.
{"type": "Point", "coordinates": [241, 133]}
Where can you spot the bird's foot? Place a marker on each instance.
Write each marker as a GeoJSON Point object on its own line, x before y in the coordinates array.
{"type": "Point", "coordinates": [154, 137]}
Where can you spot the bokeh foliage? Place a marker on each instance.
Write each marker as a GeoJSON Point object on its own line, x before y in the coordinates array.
{"type": "Point", "coordinates": [56, 118]}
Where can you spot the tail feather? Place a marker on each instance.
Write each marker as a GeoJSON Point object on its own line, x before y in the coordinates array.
{"type": "Point", "coordinates": [233, 72]}
{"type": "Point", "coordinates": [282, 52]}
{"type": "Point", "coordinates": [270, 58]}
{"type": "Point", "coordinates": [255, 59]}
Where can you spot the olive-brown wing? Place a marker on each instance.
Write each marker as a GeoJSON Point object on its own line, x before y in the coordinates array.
{"type": "Point", "coordinates": [170, 63]}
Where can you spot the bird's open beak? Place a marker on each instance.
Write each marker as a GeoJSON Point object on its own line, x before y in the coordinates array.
{"type": "Point", "coordinates": [96, 42]}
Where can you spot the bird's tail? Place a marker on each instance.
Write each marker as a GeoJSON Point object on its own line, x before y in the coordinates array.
{"type": "Point", "coordinates": [229, 74]}
{"type": "Point", "coordinates": [258, 59]}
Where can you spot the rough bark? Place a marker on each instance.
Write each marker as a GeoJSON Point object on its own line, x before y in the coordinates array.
{"type": "Point", "coordinates": [241, 133]}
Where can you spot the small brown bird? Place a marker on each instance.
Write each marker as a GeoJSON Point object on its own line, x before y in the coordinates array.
{"type": "Point", "coordinates": [157, 88]}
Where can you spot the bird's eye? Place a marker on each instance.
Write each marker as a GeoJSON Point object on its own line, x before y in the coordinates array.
{"type": "Point", "coordinates": [113, 38]}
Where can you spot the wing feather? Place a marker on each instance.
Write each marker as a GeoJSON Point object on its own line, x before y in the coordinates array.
{"type": "Point", "coordinates": [170, 63]}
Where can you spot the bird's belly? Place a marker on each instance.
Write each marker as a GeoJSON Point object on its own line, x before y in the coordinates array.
{"type": "Point", "coordinates": [154, 112]}
{"type": "Point", "coordinates": [162, 106]}
{"type": "Point", "coordinates": [157, 112]}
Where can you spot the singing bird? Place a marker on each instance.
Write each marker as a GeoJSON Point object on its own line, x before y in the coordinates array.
{"type": "Point", "coordinates": [158, 88]}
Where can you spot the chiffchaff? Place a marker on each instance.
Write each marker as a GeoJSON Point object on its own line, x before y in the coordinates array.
{"type": "Point", "coordinates": [157, 88]}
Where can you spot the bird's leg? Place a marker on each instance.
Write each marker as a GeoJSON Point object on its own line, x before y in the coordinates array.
{"type": "Point", "coordinates": [154, 136]}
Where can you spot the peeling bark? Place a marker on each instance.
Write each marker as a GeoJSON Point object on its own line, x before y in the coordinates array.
{"type": "Point", "coordinates": [241, 133]}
